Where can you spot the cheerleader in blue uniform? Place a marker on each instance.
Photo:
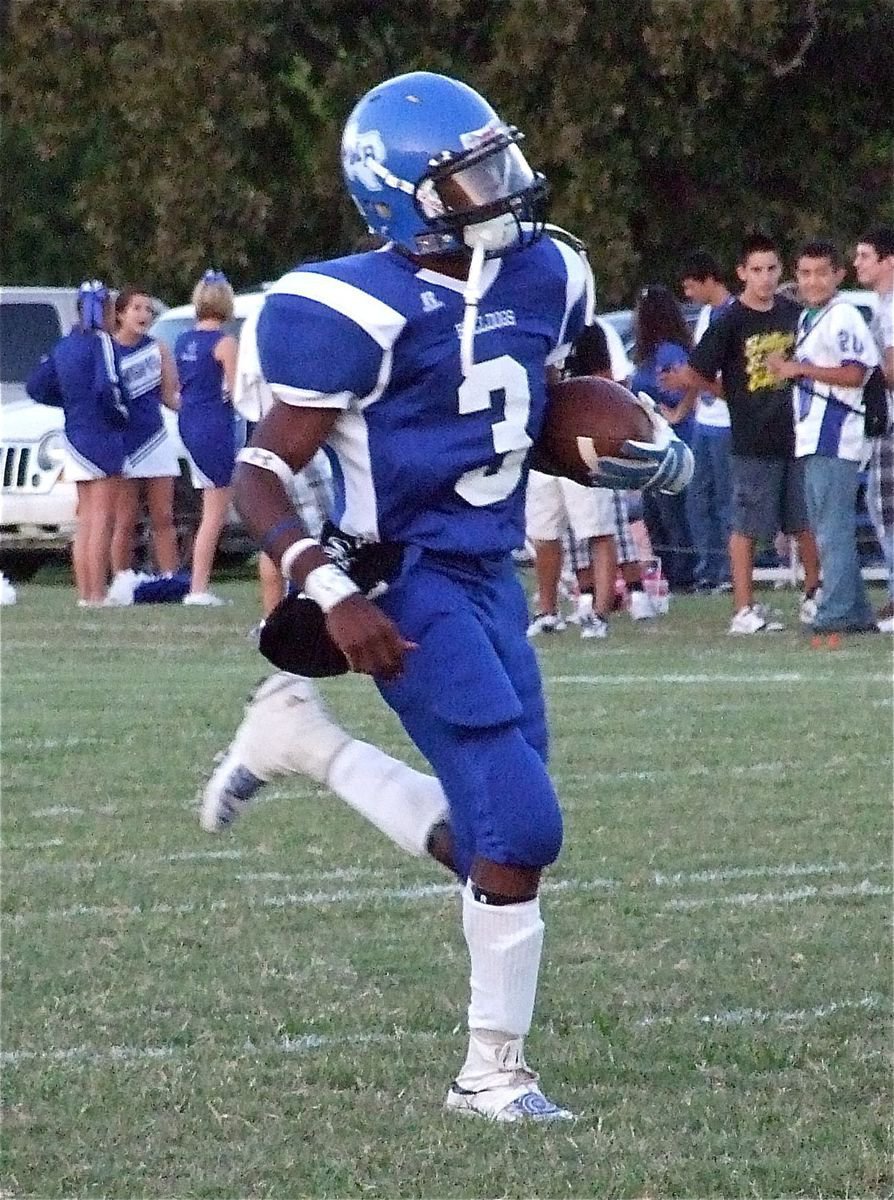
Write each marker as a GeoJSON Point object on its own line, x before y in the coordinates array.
{"type": "Point", "coordinates": [211, 432]}
{"type": "Point", "coordinates": [80, 376]}
{"type": "Point", "coordinates": [149, 379]}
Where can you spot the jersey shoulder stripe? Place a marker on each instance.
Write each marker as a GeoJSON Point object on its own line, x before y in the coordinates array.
{"type": "Point", "coordinates": [380, 321]}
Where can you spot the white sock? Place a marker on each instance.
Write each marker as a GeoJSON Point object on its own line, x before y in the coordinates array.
{"type": "Point", "coordinates": [403, 803]}
{"type": "Point", "coordinates": [585, 604]}
{"type": "Point", "coordinates": [504, 943]}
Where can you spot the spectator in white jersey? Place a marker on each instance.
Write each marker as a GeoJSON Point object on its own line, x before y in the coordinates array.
{"type": "Point", "coordinates": [874, 264]}
{"type": "Point", "coordinates": [832, 355]}
{"type": "Point", "coordinates": [710, 492]}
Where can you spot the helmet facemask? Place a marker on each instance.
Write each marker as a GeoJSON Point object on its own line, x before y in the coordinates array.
{"type": "Point", "coordinates": [484, 196]}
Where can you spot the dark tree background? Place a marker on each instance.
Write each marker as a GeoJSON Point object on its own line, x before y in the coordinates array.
{"type": "Point", "coordinates": [146, 139]}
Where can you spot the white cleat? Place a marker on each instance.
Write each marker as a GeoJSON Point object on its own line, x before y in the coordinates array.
{"type": "Point", "coordinates": [528, 1104]}
{"type": "Point", "coordinates": [229, 791]}
{"type": "Point", "coordinates": [506, 1089]}
{"type": "Point", "coordinates": [286, 730]}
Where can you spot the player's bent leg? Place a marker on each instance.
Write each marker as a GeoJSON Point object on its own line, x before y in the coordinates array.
{"type": "Point", "coordinates": [410, 808]}
{"type": "Point", "coordinates": [287, 730]}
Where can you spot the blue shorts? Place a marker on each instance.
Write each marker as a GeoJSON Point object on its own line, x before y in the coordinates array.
{"type": "Point", "coordinates": [471, 700]}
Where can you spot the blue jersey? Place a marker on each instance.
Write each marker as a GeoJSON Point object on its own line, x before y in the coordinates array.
{"type": "Point", "coordinates": [421, 454]}
{"type": "Point", "coordinates": [647, 378]}
{"type": "Point", "coordinates": [202, 385]}
{"type": "Point", "coordinates": [80, 376]}
{"type": "Point", "coordinates": [208, 425]}
{"type": "Point", "coordinates": [139, 367]}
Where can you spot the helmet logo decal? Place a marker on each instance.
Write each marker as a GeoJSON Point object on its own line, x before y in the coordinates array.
{"type": "Point", "coordinates": [359, 152]}
{"type": "Point", "coordinates": [477, 137]}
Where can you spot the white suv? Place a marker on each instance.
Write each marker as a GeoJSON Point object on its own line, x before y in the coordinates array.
{"type": "Point", "coordinates": [37, 503]}
{"type": "Point", "coordinates": [37, 507]}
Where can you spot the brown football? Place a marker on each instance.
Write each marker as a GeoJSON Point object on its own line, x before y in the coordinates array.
{"type": "Point", "coordinates": [588, 417]}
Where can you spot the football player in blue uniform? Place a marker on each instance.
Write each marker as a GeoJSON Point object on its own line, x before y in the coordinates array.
{"type": "Point", "coordinates": [421, 368]}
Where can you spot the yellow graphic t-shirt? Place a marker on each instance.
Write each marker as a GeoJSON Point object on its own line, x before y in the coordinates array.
{"type": "Point", "coordinates": [758, 348]}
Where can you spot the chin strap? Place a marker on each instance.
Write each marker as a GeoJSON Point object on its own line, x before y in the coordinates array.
{"type": "Point", "coordinates": [472, 298]}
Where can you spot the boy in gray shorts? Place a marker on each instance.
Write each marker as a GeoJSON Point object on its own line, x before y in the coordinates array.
{"type": "Point", "coordinates": [767, 480]}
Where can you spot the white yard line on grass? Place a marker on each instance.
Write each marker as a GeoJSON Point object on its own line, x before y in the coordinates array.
{"type": "Point", "coordinates": [69, 810]}
{"type": "Point", "coordinates": [49, 844]}
{"type": "Point", "coordinates": [425, 891]}
{"type": "Point", "coordinates": [310, 899]}
{"type": "Point", "coordinates": [720, 874]}
{"type": "Point", "coordinates": [702, 771]}
{"type": "Point", "coordinates": [308, 1042]}
{"type": "Point", "coordinates": [761, 1016]}
{"type": "Point", "coordinates": [777, 677]}
{"type": "Point", "coordinates": [808, 892]}
{"type": "Point", "coordinates": [66, 743]}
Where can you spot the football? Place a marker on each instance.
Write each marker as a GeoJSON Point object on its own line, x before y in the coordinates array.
{"type": "Point", "coordinates": [588, 418]}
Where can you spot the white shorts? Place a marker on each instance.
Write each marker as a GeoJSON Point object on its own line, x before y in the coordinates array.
{"type": "Point", "coordinates": [554, 505]}
{"type": "Point", "coordinates": [155, 459]}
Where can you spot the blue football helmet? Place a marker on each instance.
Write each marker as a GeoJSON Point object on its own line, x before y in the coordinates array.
{"type": "Point", "coordinates": [433, 169]}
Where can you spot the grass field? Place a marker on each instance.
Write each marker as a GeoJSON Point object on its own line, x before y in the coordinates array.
{"type": "Point", "coordinates": [278, 1012]}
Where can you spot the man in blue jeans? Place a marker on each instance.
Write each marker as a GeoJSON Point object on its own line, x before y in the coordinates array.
{"type": "Point", "coordinates": [708, 496]}
{"type": "Point", "coordinates": [833, 353]}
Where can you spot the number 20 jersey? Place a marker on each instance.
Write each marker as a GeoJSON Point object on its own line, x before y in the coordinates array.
{"type": "Point", "coordinates": [420, 453]}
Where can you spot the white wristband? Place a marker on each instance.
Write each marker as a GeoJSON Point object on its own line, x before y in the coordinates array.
{"type": "Point", "coordinates": [328, 585]}
{"type": "Point", "coordinates": [292, 552]}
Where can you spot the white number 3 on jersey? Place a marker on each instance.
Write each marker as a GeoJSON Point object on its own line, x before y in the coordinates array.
{"type": "Point", "coordinates": [487, 382]}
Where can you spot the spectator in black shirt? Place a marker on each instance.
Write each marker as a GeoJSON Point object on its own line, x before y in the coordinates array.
{"type": "Point", "coordinates": [768, 488]}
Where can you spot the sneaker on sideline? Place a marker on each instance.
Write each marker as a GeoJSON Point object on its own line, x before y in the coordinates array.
{"type": "Point", "coordinates": [546, 623]}
{"type": "Point", "coordinates": [204, 599]}
{"type": "Point", "coordinates": [593, 627]}
{"type": "Point", "coordinates": [753, 619]}
{"type": "Point", "coordinates": [808, 606]}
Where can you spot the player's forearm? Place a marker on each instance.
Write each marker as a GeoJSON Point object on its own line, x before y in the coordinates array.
{"type": "Point", "coordinates": [270, 517]}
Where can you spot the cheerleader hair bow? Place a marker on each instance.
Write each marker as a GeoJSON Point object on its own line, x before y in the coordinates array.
{"type": "Point", "coordinates": [212, 275]}
{"type": "Point", "coordinates": [92, 297]}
